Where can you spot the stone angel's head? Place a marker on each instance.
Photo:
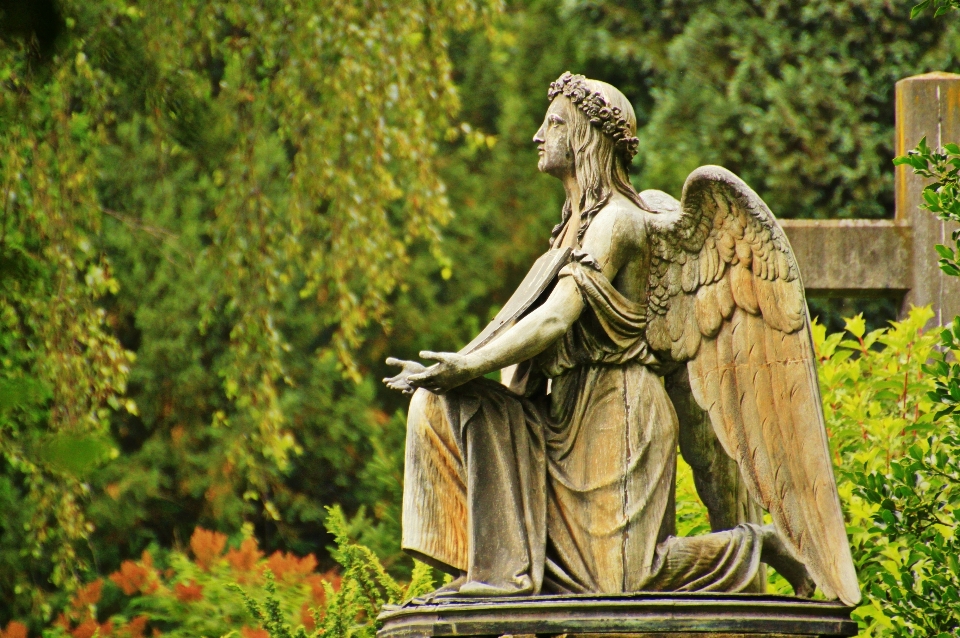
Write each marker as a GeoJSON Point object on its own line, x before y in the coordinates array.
{"type": "Point", "coordinates": [589, 133]}
{"type": "Point", "coordinates": [589, 124]}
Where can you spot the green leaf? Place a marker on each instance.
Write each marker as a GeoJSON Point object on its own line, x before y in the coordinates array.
{"type": "Point", "coordinates": [20, 393]}
{"type": "Point", "coordinates": [75, 454]}
{"type": "Point", "coordinates": [918, 8]}
{"type": "Point", "coordinates": [856, 325]}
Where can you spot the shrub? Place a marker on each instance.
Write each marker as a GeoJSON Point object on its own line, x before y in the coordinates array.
{"type": "Point", "coordinates": [898, 471]}
{"type": "Point", "coordinates": [216, 589]}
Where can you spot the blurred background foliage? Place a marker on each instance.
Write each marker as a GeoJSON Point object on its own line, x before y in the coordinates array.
{"type": "Point", "coordinates": [219, 217]}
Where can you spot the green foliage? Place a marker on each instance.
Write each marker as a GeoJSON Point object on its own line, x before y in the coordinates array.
{"type": "Point", "coordinates": [893, 460]}
{"type": "Point", "coordinates": [915, 505]}
{"type": "Point", "coordinates": [174, 595]}
{"type": "Point", "coordinates": [796, 97]}
{"type": "Point", "coordinates": [942, 195]}
{"type": "Point", "coordinates": [910, 566]}
{"type": "Point", "coordinates": [946, 371]}
{"type": "Point", "coordinates": [691, 514]}
{"type": "Point", "coordinates": [240, 593]}
{"type": "Point", "coordinates": [232, 192]}
{"type": "Point", "coordinates": [350, 612]}
{"type": "Point", "coordinates": [62, 370]}
{"type": "Point", "coordinates": [939, 7]}
{"type": "Point", "coordinates": [911, 560]}
{"type": "Point", "coordinates": [874, 390]}
{"type": "Point", "coordinates": [897, 473]}
{"type": "Point", "coordinates": [270, 616]}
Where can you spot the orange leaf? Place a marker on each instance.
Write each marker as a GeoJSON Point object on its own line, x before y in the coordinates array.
{"type": "Point", "coordinates": [87, 595]}
{"type": "Point", "coordinates": [14, 630]}
{"type": "Point", "coordinates": [207, 546]}
{"type": "Point", "coordinates": [245, 558]}
{"type": "Point", "coordinates": [132, 578]}
{"type": "Point", "coordinates": [188, 593]}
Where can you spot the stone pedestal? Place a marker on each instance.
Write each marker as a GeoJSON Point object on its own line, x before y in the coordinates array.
{"type": "Point", "coordinates": [641, 615]}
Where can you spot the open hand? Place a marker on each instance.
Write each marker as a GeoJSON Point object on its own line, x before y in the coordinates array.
{"type": "Point", "coordinates": [401, 381]}
{"type": "Point", "coordinates": [448, 373]}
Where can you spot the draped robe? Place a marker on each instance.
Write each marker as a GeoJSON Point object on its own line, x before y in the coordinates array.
{"type": "Point", "coordinates": [572, 491]}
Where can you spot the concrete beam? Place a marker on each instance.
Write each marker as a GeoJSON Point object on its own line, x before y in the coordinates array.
{"type": "Point", "coordinates": [891, 258]}
{"type": "Point", "coordinates": [852, 257]}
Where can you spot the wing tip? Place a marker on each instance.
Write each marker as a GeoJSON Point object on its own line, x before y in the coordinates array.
{"type": "Point", "coordinates": [850, 596]}
{"type": "Point", "coordinates": [843, 585]}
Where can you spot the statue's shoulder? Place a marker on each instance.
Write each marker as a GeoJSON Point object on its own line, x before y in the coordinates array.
{"type": "Point", "coordinates": [658, 202]}
{"type": "Point", "coordinates": [623, 219]}
{"type": "Point", "coordinates": [663, 210]}
{"type": "Point", "coordinates": [622, 210]}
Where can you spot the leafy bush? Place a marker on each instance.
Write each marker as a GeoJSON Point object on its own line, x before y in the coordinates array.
{"type": "Point", "coordinates": [874, 390]}
{"type": "Point", "coordinates": [365, 589]}
{"type": "Point", "coordinates": [897, 470]}
{"type": "Point", "coordinates": [909, 562]}
{"type": "Point", "coordinates": [224, 590]}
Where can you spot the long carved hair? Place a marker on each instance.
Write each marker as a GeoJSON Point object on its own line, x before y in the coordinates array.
{"type": "Point", "coordinates": [598, 165]}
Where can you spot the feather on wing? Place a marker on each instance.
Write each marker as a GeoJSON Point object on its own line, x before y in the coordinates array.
{"type": "Point", "coordinates": [723, 268]}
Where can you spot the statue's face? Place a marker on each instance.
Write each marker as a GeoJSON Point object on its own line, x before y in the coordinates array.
{"type": "Point", "coordinates": [553, 141]}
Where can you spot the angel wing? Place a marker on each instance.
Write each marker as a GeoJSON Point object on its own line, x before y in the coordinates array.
{"type": "Point", "coordinates": [725, 295]}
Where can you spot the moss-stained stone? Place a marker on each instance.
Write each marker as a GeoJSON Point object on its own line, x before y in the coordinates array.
{"type": "Point", "coordinates": [638, 615]}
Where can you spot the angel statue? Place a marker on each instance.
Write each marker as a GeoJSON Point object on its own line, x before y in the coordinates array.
{"type": "Point", "coordinates": [651, 323]}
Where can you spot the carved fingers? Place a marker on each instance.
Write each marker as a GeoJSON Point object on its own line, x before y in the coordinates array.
{"type": "Point", "coordinates": [401, 381]}
{"type": "Point", "coordinates": [449, 372]}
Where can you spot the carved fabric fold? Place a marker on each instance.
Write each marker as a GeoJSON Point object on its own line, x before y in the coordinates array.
{"type": "Point", "coordinates": [610, 330]}
{"type": "Point", "coordinates": [567, 492]}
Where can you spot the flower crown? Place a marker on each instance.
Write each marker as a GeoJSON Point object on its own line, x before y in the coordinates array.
{"type": "Point", "coordinates": [609, 119]}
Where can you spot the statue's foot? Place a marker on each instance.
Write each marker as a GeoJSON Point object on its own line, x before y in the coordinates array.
{"type": "Point", "coordinates": [775, 554]}
{"type": "Point", "coordinates": [475, 588]}
{"type": "Point", "coordinates": [450, 589]}
{"type": "Point", "coordinates": [460, 586]}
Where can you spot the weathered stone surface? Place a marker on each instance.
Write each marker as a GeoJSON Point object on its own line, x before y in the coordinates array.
{"type": "Point", "coordinates": [891, 258]}
{"type": "Point", "coordinates": [853, 257]}
{"type": "Point", "coordinates": [927, 105]}
{"type": "Point", "coordinates": [634, 615]}
{"type": "Point", "coordinates": [519, 491]}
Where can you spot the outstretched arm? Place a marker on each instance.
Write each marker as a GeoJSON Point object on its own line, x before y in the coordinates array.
{"type": "Point", "coordinates": [612, 240]}
{"type": "Point", "coordinates": [528, 338]}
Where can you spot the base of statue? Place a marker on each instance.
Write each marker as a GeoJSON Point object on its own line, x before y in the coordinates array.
{"type": "Point", "coordinates": [640, 615]}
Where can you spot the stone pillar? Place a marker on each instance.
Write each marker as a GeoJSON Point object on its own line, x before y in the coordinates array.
{"type": "Point", "coordinates": [926, 105]}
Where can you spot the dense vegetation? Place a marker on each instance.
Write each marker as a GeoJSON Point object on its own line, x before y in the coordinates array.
{"type": "Point", "coordinates": [880, 417]}
{"type": "Point", "coordinates": [219, 217]}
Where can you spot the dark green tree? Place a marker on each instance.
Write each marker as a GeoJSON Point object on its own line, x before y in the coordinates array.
{"type": "Point", "coordinates": [226, 193]}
